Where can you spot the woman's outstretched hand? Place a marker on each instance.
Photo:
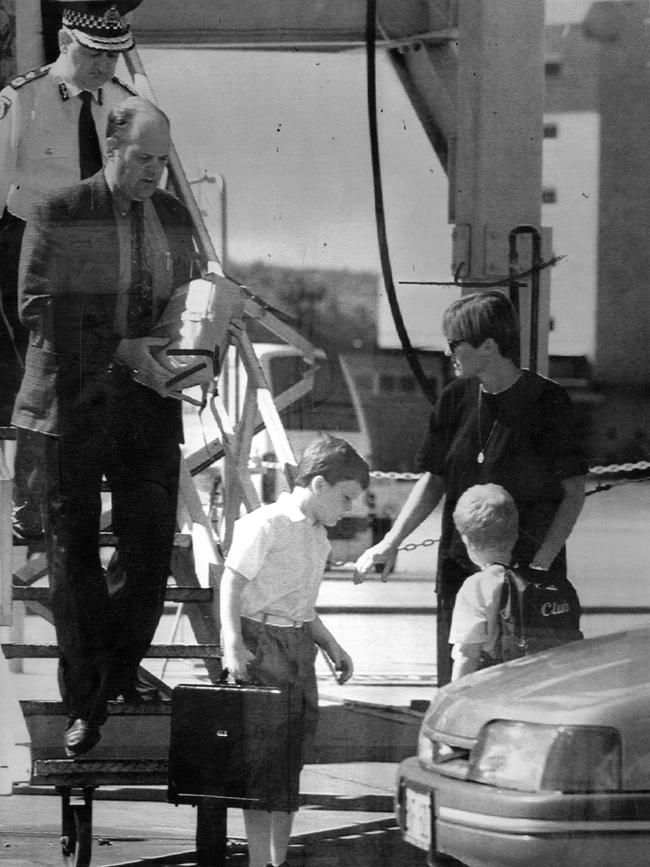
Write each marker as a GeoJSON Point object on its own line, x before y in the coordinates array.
{"type": "Point", "coordinates": [383, 554]}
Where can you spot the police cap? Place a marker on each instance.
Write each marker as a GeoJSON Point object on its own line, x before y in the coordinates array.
{"type": "Point", "coordinates": [99, 24]}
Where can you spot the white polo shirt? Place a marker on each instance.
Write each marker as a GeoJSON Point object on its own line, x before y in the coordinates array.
{"type": "Point", "coordinates": [475, 619]}
{"type": "Point", "coordinates": [282, 553]}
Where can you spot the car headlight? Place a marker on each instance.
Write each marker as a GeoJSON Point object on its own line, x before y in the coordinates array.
{"type": "Point", "coordinates": [532, 757]}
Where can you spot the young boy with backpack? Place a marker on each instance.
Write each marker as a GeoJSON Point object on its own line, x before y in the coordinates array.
{"type": "Point", "coordinates": [502, 612]}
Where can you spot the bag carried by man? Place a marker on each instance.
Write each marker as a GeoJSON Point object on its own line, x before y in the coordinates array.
{"type": "Point", "coordinates": [183, 349]}
{"type": "Point", "coordinates": [536, 614]}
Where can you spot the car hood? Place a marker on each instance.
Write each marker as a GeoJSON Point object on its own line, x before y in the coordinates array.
{"type": "Point", "coordinates": [598, 681]}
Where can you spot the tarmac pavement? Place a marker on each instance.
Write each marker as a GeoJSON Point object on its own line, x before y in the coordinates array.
{"type": "Point", "coordinates": [127, 832]}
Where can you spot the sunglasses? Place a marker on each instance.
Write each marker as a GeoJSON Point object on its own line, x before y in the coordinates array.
{"type": "Point", "coordinates": [454, 344]}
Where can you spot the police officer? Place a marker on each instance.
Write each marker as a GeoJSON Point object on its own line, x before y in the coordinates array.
{"type": "Point", "coordinates": [52, 121]}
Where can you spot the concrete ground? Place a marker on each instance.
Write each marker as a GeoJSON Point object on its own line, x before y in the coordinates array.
{"type": "Point", "coordinates": [129, 832]}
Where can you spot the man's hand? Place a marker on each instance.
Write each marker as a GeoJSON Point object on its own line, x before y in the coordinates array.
{"type": "Point", "coordinates": [382, 553]}
{"type": "Point", "coordinates": [136, 354]}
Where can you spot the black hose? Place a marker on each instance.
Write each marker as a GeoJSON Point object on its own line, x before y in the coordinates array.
{"type": "Point", "coordinates": [380, 216]}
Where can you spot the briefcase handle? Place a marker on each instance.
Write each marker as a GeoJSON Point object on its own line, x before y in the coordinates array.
{"type": "Point", "coordinates": [225, 674]}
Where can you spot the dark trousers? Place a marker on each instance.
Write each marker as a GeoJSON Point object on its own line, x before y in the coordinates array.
{"type": "Point", "coordinates": [13, 346]}
{"type": "Point", "coordinates": [13, 334]}
{"type": "Point", "coordinates": [105, 621]}
{"type": "Point", "coordinates": [445, 608]}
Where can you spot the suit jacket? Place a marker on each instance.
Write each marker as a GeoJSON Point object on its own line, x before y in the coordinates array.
{"type": "Point", "coordinates": [68, 288]}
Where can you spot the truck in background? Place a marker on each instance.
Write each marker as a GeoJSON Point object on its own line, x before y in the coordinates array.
{"type": "Point", "coordinates": [332, 406]}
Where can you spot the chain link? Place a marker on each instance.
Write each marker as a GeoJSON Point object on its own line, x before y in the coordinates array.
{"type": "Point", "coordinates": [411, 546]}
{"type": "Point", "coordinates": [426, 543]}
{"type": "Point", "coordinates": [619, 468]}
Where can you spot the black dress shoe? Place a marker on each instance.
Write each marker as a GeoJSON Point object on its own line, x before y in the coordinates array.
{"type": "Point", "coordinates": [26, 536]}
{"type": "Point", "coordinates": [80, 736]}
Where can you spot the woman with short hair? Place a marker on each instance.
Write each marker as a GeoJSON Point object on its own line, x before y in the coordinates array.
{"type": "Point", "coordinates": [495, 422]}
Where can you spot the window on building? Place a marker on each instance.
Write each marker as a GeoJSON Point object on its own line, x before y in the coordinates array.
{"type": "Point", "coordinates": [550, 130]}
{"type": "Point", "coordinates": [552, 68]}
{"type": "Point", "coordinates": [386, 382]}
{"type": "Point", "coordinates": [549, 196]}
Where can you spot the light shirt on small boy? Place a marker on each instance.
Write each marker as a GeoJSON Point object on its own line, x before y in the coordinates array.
{"type": "Point", "coordinates": [475, 619]}
{"type": "Point", "coordinates": [282, 553]}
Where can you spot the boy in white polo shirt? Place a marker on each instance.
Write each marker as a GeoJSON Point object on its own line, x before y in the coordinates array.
{"type": "Point", "coordinates": [488, 522]}
{"type": "Point", "coordinates": [271, 631]}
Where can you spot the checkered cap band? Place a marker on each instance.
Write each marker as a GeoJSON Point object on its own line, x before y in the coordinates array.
{"type": "Point", "coordinates": [106, 32]}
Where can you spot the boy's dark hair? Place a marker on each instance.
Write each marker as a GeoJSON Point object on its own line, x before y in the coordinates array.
{"type": "Point", "coordinates": [334, 459]}
{"type": "Point", "coordinates": [487, 516]}
{"type": "Point", "coordinates": [476, 317]}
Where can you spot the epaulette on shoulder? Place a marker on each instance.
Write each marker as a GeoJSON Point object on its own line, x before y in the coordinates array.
{"type": "Point", "coordinates": [126, 86]}
{"type": "Point", "coordinates": [33, 74]}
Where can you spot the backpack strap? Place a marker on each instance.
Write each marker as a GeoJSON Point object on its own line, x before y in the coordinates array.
{"type": "Point", "coordinates": [512, 614]}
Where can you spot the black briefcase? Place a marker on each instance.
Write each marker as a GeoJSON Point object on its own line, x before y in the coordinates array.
{"type": "Point", "coordinates": [220, 737]}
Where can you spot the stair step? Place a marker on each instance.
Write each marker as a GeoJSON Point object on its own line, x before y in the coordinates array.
{"type": "Point", "coordinates": [98, 772]}
{"type": "Point", "coordinates": [38, 707]}
{"type": "Point", "coordinates": [172, 594]}
{"type": "Point", "coordinates": [108, 540]}
{"type": "Point", "coordinates": [130, 734]}
{"type": "Point", "coordinates": [156, 651]}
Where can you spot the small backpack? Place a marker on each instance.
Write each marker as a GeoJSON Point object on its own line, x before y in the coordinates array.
{"type": "Point", "coordinates": [536, 615]}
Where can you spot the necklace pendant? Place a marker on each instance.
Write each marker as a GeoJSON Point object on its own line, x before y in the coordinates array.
{"type": "Point", "coordinates": [480, 458]}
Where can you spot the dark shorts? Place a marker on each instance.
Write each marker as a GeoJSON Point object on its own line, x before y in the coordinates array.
{"type": "Point", "coordinates": [284, 657]}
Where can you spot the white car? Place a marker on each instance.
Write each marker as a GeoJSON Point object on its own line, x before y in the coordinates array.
{"type": "Point", "coordinates": [541, 761]}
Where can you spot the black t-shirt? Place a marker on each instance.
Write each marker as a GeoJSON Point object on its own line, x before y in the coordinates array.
{"type": "Point", "coordinates": [529, 445]}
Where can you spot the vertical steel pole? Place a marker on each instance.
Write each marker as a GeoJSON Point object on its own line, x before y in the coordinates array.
{"type": "Point", "coordinates": [496, 170]}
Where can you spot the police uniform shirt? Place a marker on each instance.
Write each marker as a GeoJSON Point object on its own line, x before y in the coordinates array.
{"type": "Point", "coordinates": [39, 147]}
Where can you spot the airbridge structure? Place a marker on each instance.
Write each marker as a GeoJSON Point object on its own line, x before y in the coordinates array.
{"type": "Point", "coordinates": [473, 70]}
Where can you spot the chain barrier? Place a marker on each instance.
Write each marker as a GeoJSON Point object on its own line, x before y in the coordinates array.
{"type": "Point", "coordinates": [608, 470]}
{"type": "Point", "coordinates": [393, 475]}
{"type": "Point", "coordinates": [410, 546]}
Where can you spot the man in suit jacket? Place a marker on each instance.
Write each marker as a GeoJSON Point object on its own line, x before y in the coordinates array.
{"type": "Point", "coordinates": [99, 261]}
{"type": "Point", "coordinates": [52, 130]}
